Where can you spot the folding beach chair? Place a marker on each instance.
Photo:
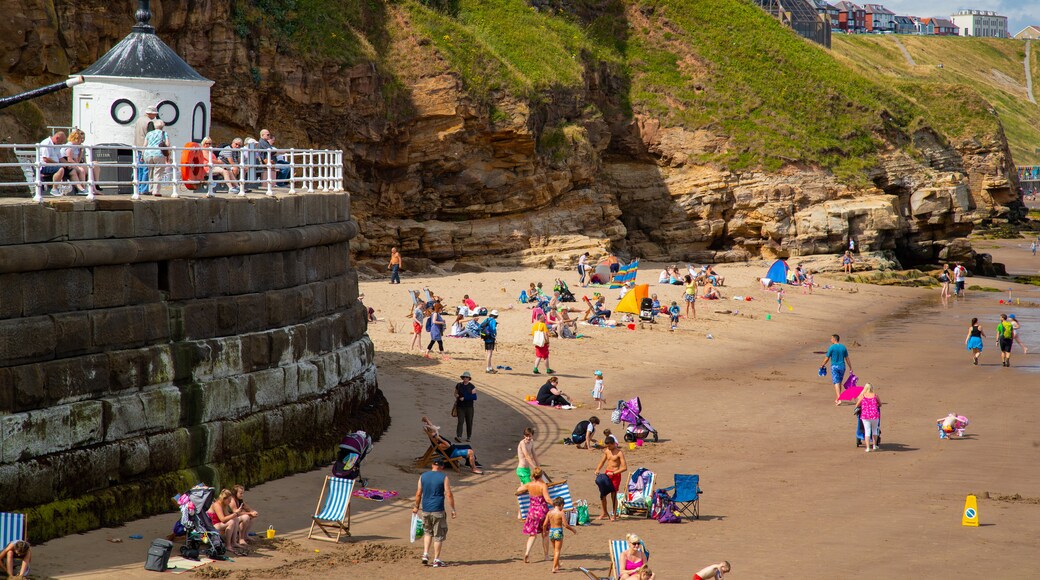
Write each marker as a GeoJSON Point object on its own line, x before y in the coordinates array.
{"type": "Point", "coordinates": [433, 452]}
{"type": "Point", "coordinates": [617, 549]}
{"type": "Point", "coordinates": [686, 494]}
{"type": "Point", "coordinates": [333, 511]}
{"type": "Point", "coordinates": [558, 489]}
{"type": "Point", "coordinates": [633, 501]}
{"type": "Point", "coordinates": [12, 528]}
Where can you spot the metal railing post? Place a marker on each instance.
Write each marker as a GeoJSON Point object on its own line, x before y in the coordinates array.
{"type": "Point", "coordinates": [136, 165]}
{"type": "Point", "coordinates": [209, 167]}
{"type": "Point", "coordinates": [38, 196]}
{"type": "Point", "coordinates": [292, 170]}
{"type": "Point", "coordinates": [310, 171]}
{"type": "Point", "coordinates": [241, 171]}
{"type": "Point", "coordinates": [88, 157]}
{"type": "Point", "coordinates": [269, 171]}
{"type": "Point", "coordinates": [176, 173]}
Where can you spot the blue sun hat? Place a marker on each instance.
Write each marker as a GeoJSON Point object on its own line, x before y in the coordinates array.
{"type": "Point", "coordinates": [1012, 316]}
{"type": "Point", "coordinates": [598, 373]}
{"type": "Point", "coordinates": [823, 372]}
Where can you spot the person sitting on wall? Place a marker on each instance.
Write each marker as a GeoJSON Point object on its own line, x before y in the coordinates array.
{"type": "Point", "coordinates": [216, 166]}
{"type": "Point", "coordinates": [231, 157]}
{"type": "Point", "coordinates": [49, 154]}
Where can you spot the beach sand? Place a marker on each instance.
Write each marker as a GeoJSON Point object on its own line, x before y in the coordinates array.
{"type": "Point", "coordinates": [787, 494]}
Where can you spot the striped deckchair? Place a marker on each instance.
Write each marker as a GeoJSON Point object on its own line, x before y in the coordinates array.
{"type": "Point", "coordinates": [12, 528]}
{"type": "Point", "coordinates": [333, 509]}
{"type": "Point", "coordinates": [617, 551]}
{"type": "Point", "coordinates": [558, 489]}
{"type": "Point", "coordinates": [637, 503]}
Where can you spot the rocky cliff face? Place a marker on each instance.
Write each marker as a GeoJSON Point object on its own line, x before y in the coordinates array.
{"type": "Point", "coordinates": [501, 180]}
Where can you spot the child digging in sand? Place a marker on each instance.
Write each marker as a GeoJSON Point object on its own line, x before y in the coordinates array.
{"type": "Point", "coordinates": [555, 521]}
{"type": "Point", "coordinates": [597, 390]}
{"type": "Point", "coordinates": [713, 572]}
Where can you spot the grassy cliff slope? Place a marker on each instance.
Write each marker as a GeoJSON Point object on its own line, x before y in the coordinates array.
{"type": "Point", "coordinates": [720, 65]}
{"type": "Point", "coordinates": [988, 66]}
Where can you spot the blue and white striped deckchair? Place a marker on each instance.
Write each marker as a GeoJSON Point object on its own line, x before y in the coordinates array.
{"type": "Point", "coordinates": [617, 551]}
{"type": "Point", "coordinates": [626, 274]}
{"type": "Point", "coordinates": [637, 502]}
{"type": "Point", "coordinates": [558, 489]}
{"type": "Point", "coordinates": [333, 509]}
{"type": "Point", "coordinates": [12, 528]}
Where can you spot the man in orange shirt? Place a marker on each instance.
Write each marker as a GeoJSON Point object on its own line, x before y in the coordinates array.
{"type": "Point", "coordinates": [394, 266]}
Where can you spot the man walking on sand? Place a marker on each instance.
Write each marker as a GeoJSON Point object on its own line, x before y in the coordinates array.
{"type": "Point", "coordinates": [432, 491]}
{"type": "Point", "coordinates": [394, 266]}
{"type": "Point", "coordinates": [614, 466]}
{"type": "Point", "coordinates": [838, 357]}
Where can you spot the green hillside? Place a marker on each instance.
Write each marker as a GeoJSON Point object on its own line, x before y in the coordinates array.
{"type": "Point", "coordinates": [991, 67]}
{"type": "Point", "coordinates": [720, 65]}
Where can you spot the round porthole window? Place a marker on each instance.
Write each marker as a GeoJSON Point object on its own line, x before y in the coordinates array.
{"type": "Point", "coordinates": [168, 112]}
{"type": "Point", "coordinates": [123, 112]}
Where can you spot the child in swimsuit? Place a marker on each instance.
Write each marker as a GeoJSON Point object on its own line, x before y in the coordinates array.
{"type": "Point", "coordinates": [555, 521]}
{"type": "Point", "coordinates": [713, 572]}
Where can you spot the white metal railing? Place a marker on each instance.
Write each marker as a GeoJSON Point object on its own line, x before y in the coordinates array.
{"type": "Point", "coordinates": [308, 170]}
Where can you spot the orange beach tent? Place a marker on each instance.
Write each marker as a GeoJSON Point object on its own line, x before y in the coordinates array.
{"type": "Point", "coordinates": [630, 303]}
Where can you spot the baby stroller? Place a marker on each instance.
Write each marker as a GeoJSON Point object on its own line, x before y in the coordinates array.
{"type": "Point", "coordinates": [636, 426]}
{"type": "Point", "coordinates": [565, 292]}
{"type": "Point", "coordinates": [201, 537]}
{"type": "Point", "coordinates": [352, 451]}
{"type": "Point", "coordinates": [646, 310]}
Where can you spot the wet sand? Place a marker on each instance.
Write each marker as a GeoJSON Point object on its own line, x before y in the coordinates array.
{"type": "Point", "coordinates": [786, 492]}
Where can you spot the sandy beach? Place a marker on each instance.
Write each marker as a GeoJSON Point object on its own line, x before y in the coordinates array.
{"type": "Point", "coordinates": [787, 494]}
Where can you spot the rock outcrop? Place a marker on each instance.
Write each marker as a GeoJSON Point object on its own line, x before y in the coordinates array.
{"type": "Point", "coordinates": [446, 176]}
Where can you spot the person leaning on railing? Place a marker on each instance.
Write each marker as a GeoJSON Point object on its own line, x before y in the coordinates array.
{"type": "Point", "coordinates": [77, 168]}
{"type": "Point", "coordinates": [157, 144]}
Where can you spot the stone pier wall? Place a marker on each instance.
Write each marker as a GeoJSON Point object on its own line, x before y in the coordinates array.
{"type": "Point", "coordinates": [146, 346]}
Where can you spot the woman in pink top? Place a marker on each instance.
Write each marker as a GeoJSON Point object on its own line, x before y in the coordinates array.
{"type": "Point", "coordinates": [870, 414]}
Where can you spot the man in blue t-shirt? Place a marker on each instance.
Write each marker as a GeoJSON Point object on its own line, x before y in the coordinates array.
{"type": "Point", "coordinates": [838, 357]}
{"type": "Point", "coordinates": [430, 496]}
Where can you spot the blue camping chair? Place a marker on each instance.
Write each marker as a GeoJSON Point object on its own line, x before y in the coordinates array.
{"type": "Point", "coordinates": [686, 494]}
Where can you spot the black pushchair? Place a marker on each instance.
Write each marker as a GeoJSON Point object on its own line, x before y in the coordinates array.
{"type": "Point", "coordinates": [636, 427]}
{"type": "Point", "coordinates": [646, 310]}
{"type": "Point", "coordinates": [565, 292]}
{"type": "Point", "coordinates": [352, 451]}
{"type": "Point", "coordinates": [201, 536]}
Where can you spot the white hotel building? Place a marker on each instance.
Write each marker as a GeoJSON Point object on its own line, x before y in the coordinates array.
{"type": "Point", "coordinates": [981, 23]}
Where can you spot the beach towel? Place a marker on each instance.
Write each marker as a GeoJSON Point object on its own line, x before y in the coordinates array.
{"type": "Point", "coordinates": [375, 494]}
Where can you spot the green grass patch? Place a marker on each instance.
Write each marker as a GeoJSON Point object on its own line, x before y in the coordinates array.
{"type": "Point", "coordinates": [508, 44]}
{"type": "Point", "coordinates": [345, 32]}
{"type": "Point", "coordinates": [989, 67]}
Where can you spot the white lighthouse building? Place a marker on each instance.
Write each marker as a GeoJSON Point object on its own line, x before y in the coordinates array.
{"type": "Point", "coordinates": [141, 71]}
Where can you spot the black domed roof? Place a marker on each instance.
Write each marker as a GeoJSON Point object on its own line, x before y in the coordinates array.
{"type": "Point", "coordinates": [143, 54]}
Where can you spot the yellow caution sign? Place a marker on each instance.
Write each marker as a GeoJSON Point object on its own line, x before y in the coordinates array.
{"type": "Point", "coordinates": [971, 512]}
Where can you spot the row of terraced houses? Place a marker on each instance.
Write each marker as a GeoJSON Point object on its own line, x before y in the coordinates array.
{"type": "Point", "coordinates": [851, 18]}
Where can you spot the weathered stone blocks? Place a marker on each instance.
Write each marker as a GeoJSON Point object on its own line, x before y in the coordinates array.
{"type": "Point", "coordinates": [152, 344]}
